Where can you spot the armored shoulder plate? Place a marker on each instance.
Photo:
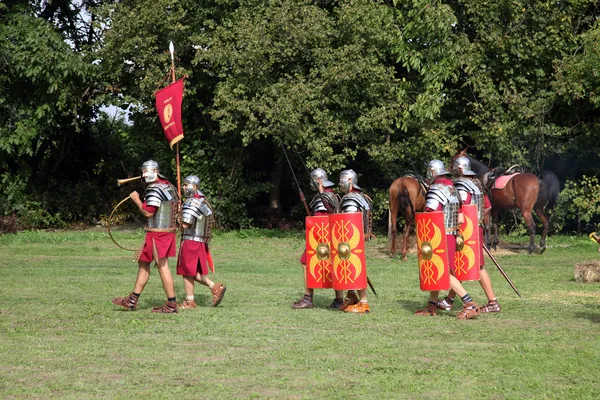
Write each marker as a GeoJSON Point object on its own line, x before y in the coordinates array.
{"type": "Point", "coordinates": [354, 202]}
{"type": "Point", "coordinates": [358, 202]}
{"type": "Point", "coordinates": [194, 208]}
{"type": "Point", "coordinates": [156, 193]}
{"type": "Point", "coordinates": [464, 186]}
{"type": "Point", "coordinates": [332, 200]}
{"type": "Point", "coordinates": [447, 197]}
{"type": "Point", "coordinates": [198, 213]}
{"type": "Point", "coordinates": [439, 194]}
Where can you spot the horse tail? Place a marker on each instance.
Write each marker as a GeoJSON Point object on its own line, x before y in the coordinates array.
{"type": "Point", "coordinates": [549, 189]}
{"type": "Point", "coordinates": [404, 200]}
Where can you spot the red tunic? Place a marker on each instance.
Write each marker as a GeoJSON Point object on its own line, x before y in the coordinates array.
{"type": "Point", "coordinates": [164, 242]}
{"type": "Point", "coordinates": [194, 256]}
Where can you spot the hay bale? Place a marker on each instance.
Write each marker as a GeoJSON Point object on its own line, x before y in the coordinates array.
{"type": "Point", "coordinates": [587, 271]}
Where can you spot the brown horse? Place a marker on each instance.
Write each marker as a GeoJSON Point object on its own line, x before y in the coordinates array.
{"type": "Point", "coordinates": [528, 192]}
{"type": "Point", "coordinates": [406, 196]}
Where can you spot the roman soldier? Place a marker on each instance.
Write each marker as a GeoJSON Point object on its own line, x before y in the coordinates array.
{"type": "Point", "coordinates": [325, 202]}
{"type": "Point", "coordinates": [353, 202]}
{"type": "Point", "coordinates": [160, 205]}
{"type": "Point", "coordinates": [471, 191]}
{"type": "Point", "coordinates": [194, 256]}
{"type": "Point", "coordinates": [442, 196]}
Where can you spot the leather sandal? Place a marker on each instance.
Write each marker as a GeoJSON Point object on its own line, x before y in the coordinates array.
{"type": "Point", "coordinates": [128, 302]}
{"type": "Point", "coordinates": [445, 304]}
{"type": "Point", "coordinates": [429, 311]}
{"type": "Point", "coordinates": [188, 304]}
{"type": "Point", "coordinates": [470, 310]}
{"type": "Point", "coordinates": [167, 308]}
{"type": "Point", "coordinates": [218, 291]}
{"type": "Point", "coordinates": [350, 299]}
{"type": "Point", "coordinates": [359, 308]}
{"type": "Point", "coordinates": [304, 302]}
{"type": "Point", "coordinates": [490, 307]}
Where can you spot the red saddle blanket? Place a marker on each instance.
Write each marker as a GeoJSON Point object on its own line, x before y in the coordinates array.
{"type": "Point", "coordinates": [501, 181]}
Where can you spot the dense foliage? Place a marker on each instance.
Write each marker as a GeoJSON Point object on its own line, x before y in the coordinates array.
{"type": "Point", "coordinates": [378, 86]}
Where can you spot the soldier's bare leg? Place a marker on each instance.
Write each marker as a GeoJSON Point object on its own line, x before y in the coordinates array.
{"type": "Point", "coordinates": [130, 302]}
{"type": "Point", "coordinates": [470, 308]}
{"type": "Point", "coordinates": [170, 306]}
{"type": "Point", "coordinates": [188, 286]}
{"type": "Point", "coordinates": [306, 300]}
{"type": "Point", "coordinates": [166, 277]}
{"type": "Point", "coordinates": [203, 280]}
{"type": "Point", "coordinates": [430, 309]}
{"type": "Point", "coordinates": [486, 284]}
{"type": "Point", "coordinates": [142, 277]}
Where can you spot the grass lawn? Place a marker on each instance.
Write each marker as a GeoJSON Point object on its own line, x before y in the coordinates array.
{"type": "Point", "coordinates": [60, 336]}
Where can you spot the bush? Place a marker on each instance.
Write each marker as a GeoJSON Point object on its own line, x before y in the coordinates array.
{"type": "Point", "coordinates": [578, 204]}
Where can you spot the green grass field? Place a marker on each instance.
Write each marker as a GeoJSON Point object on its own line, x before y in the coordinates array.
{"type": "Point", "coordinates": [60, 336]}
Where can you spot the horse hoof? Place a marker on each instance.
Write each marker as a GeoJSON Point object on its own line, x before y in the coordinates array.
{"type": "Point", "coordinates": [404, 258]}
{"type": "Point", "coordinates": [542, 249]}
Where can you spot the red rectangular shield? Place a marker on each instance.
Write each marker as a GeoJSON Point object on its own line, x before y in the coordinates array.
{"type": "Point", "coordinates": [467, 260]}
{"type": "Point", "coordinates": [318, 253]}
{"type": "Point", "coordinates": [348, 251]}
{"type": "Point", "coordinates": [432, 251]}
{"type": "Point", "coordinates": [168, 105]}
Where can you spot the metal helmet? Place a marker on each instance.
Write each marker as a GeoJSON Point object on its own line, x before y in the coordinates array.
{"type": "Point", "coordinates": [150, 171]}
{"type": "Point", "coordinates": [190, 185]}
{"type": "Point", "coordinates": [463, 166]}
{"type": "Point", "coordinates": [317, 174]}
{"type": "Point", "coordinates": [436, 168]}
{"type": "Point", "coordinates": [347, 177]}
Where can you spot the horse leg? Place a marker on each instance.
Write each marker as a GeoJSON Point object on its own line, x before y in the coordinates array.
{"type": "Point", "coordinates": [495, 240]}
{"type": "Point", "coordinates": [545, 223]}
{"type": "Point", "coordinates": [528, 217]}
{"type": "Point", "coordinates": [393, 229]}
{"type": "Point", "coordinates": [406, 234]}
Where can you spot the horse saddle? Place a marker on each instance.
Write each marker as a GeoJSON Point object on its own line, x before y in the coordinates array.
{"type": "Point", "coordinates": [499, 177]}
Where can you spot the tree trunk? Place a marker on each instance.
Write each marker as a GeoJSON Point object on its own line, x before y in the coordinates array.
{"type": "Point", "coordinates": [275, 191]}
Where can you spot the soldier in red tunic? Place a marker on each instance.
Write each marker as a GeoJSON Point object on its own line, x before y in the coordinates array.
{"type": "Point", "coordinates": [471, 191]}
{"type": "Point", "coordinates": [160, 208]}
{"type": "Point", "coordinates": [325, 202]}
{"type": "Point", "coordinates": [355, 201]}
{"type": "Point", "coordinates": [194, 256]}
{"type": "Point", "coordinates": [442, 196]}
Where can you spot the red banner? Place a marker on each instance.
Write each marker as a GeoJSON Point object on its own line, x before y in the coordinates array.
{"type": "Point", "coordinates": [318, 253]}
{"type": "Point", "coordinates": [432, 251]}
{"type": "Point", "coordinates": [168, 104]}
{"type": "Point", "coordinates": [348, 251]}
{"type": "Point", "coordinates": [466, 259]}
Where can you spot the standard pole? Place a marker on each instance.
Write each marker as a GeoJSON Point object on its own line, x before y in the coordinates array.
{"type": "Point", "coordinates": [172, 51]}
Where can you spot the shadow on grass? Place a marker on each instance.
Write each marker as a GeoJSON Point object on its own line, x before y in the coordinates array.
{"type": "Point", "coordinates": [593, 317]}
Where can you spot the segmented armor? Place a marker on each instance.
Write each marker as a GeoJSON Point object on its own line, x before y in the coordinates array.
{"type": "Point", "coordinates": [317, 205]}
{"type": "Point", "coordinates": [448, 198]}
{"type": "Point", "coordinates": [359, 202]}
{"type": "Point", "coordinates": [466, 185]}
{"type": "Point", "coordinates": [164, 196]}
{"type": "Point", "coordinates": [199, 215]}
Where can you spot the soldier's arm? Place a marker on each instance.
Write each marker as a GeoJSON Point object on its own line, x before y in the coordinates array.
{"type": "Point", "coordinates": [147, 211]}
